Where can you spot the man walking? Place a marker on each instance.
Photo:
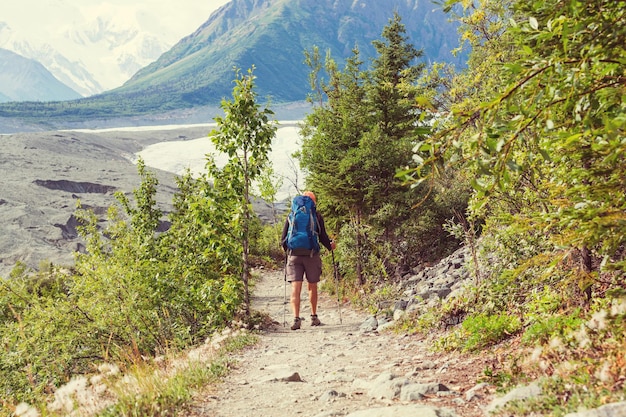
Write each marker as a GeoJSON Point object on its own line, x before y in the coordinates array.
{"type": "Point", "coordinates": [303, 231]}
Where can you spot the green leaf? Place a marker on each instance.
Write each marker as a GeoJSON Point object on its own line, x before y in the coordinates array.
{"type": "Point", "coordinates": [422, 147]}
{"type": "Point", "coordinates": [514, 67]}
{"type": "Point", "coordinates": [424, 101]}
{"type": "Point", "coordinates": [416, 183]}
{"type": "Point", "coordinates": [573, 138]}
{"type": "Point", "coordinates": [545, 154]}
{"type": "Point", "coordinates": [422, 130]}
{"type": "Point", "coordinates": [478, 184]}
{"type": "Point", "coordinates": [513, 166]}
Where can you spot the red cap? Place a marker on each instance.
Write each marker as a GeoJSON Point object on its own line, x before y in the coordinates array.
{"type": "Point", "coordinates": [310, 194]}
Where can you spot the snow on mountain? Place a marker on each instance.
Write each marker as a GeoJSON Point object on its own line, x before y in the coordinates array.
{"type": "Point", "coordinates": [23, 79]}
{"type": "Point", "coordinates": [179, 156]}
{"type": "Point", "coordinates": [93, 45]}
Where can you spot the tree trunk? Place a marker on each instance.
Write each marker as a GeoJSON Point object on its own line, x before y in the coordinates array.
{"type": "Point", "coordinates": [246, 238]}
{"type": "Point", "coordinates": [585, 255]}
{"type": "Point", "coordinates": [359, 249]}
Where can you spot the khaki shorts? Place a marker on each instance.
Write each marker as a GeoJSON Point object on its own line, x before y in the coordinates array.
{"type": "Point", "coordinates": [300, 266]}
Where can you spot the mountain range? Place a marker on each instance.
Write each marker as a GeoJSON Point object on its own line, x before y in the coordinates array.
{"type": "Point", "coordinates": [272, 35]}
{"type": "Point", "coordinates": [27, 79]}
{"type": "Point", "coordinates": [93, 45]}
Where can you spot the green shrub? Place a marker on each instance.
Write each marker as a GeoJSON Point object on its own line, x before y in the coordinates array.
{"type": "Point", "coordinates": [541, 331]}
{"type": "Point", "coordinates": [266, 244]}
{"type": "Point", "coordinates": [484, 330]}
{"type": "Point", "coordinates": [159, 394]}
{"type": "Point", "coordinates": [374, 258]}
{"type": "Point", "coordinates": [42, 336]}
{"type": "Point", "coordinates": [133, 293]}
{"type": "Point", "coordinates": [420, 321]}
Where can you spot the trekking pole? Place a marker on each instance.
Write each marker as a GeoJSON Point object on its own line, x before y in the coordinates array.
{"type": "Point", "coordinates": [285, 290]}
{"type": "Point", "coordinates": [336, 285]}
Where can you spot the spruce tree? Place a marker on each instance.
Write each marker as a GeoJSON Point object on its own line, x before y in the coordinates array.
{"type": "Point", "coordinates": [359, 134]}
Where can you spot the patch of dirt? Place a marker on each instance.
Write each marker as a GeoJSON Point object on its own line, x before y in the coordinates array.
{"type": "Point", "coordinates": [325, 370]}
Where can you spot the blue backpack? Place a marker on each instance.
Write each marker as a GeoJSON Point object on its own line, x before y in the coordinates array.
{"type": "Point", "coordinates": [303, 225]}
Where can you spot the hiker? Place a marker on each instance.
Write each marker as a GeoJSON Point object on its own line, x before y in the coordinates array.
{"type": "Point", "coordinates": [301, 244]}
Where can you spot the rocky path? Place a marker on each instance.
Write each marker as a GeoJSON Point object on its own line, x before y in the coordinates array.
{"type": "Point", "coordinates": [340, 369]}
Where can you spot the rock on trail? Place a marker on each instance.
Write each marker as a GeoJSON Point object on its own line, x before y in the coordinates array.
{"type": "Point", "coordinates": [336, 369]}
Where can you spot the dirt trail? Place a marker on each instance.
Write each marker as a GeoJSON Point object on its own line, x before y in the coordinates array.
{"type": "Point", "coordinates": [324, 371]}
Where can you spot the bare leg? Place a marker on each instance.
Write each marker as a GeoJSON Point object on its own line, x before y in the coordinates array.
{"type": "Point", "coordinates": [313, 297]}
{"type": "Point", "coordinates": [296, 288]}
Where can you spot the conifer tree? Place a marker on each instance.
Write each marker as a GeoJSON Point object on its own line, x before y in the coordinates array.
{"type": "Point", "coordinates": [393, 83]}
{"type": "Point", "coordinates": [361, 132]}
{"type": "Point", "coordinates": [392, 91]}
{"type": "Point", "coordinates": [332, 134]}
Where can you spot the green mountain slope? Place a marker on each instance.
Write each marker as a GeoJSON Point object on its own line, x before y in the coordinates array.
{"type": "Point", "coordinates": [272, 35]}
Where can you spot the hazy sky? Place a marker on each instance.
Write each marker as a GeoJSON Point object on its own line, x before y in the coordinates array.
{"type": "Point", "coordinates": [176, 18]}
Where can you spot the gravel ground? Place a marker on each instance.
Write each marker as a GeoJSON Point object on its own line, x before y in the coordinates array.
{"type": "Point", "coordinates": [326, 370]}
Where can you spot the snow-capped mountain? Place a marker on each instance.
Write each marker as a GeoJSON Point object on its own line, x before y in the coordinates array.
{"type": "Point", "coordinates": [270, 35]}
{"type": "Point", "coordinates": [23, 79]}
{"type": "Point", "coordinates": [94, 46]}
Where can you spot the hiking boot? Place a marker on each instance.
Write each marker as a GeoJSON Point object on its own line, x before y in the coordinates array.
{"type": "Point", "coordinates": [314, 320]}
{"type": "Point", "coordinates": [296, 323]}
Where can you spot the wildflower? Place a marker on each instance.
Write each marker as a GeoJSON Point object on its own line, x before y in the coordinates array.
{"type": "Point", "coordinates": [536, 355]}
{"type": "Point", "coordinates": [619, 308]}
{"type": "Point", "coordinates": [25, 410]}
{"type": "Point", "coordinates": [564, 369]}
{"type": "Point", "coordinates": [556, 344]}
{"type": "Point", "coordinates": [108, 369]}
{"type": "Point", "coordinates": [604, 373]}
{"type": "Point", "coordinates": [582, 337]}
{"type": "Point", "coordinates": [598, 320]}
{"type": "Point", "coordinates": [65, 395]}
{"type": "Point", "coordinates": [544, 365]}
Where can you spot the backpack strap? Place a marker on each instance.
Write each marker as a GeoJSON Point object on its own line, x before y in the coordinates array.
{"type": "Point", "coordinates": [292, 224]}
{"type": "Point", "coordinates": [314, 223]}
